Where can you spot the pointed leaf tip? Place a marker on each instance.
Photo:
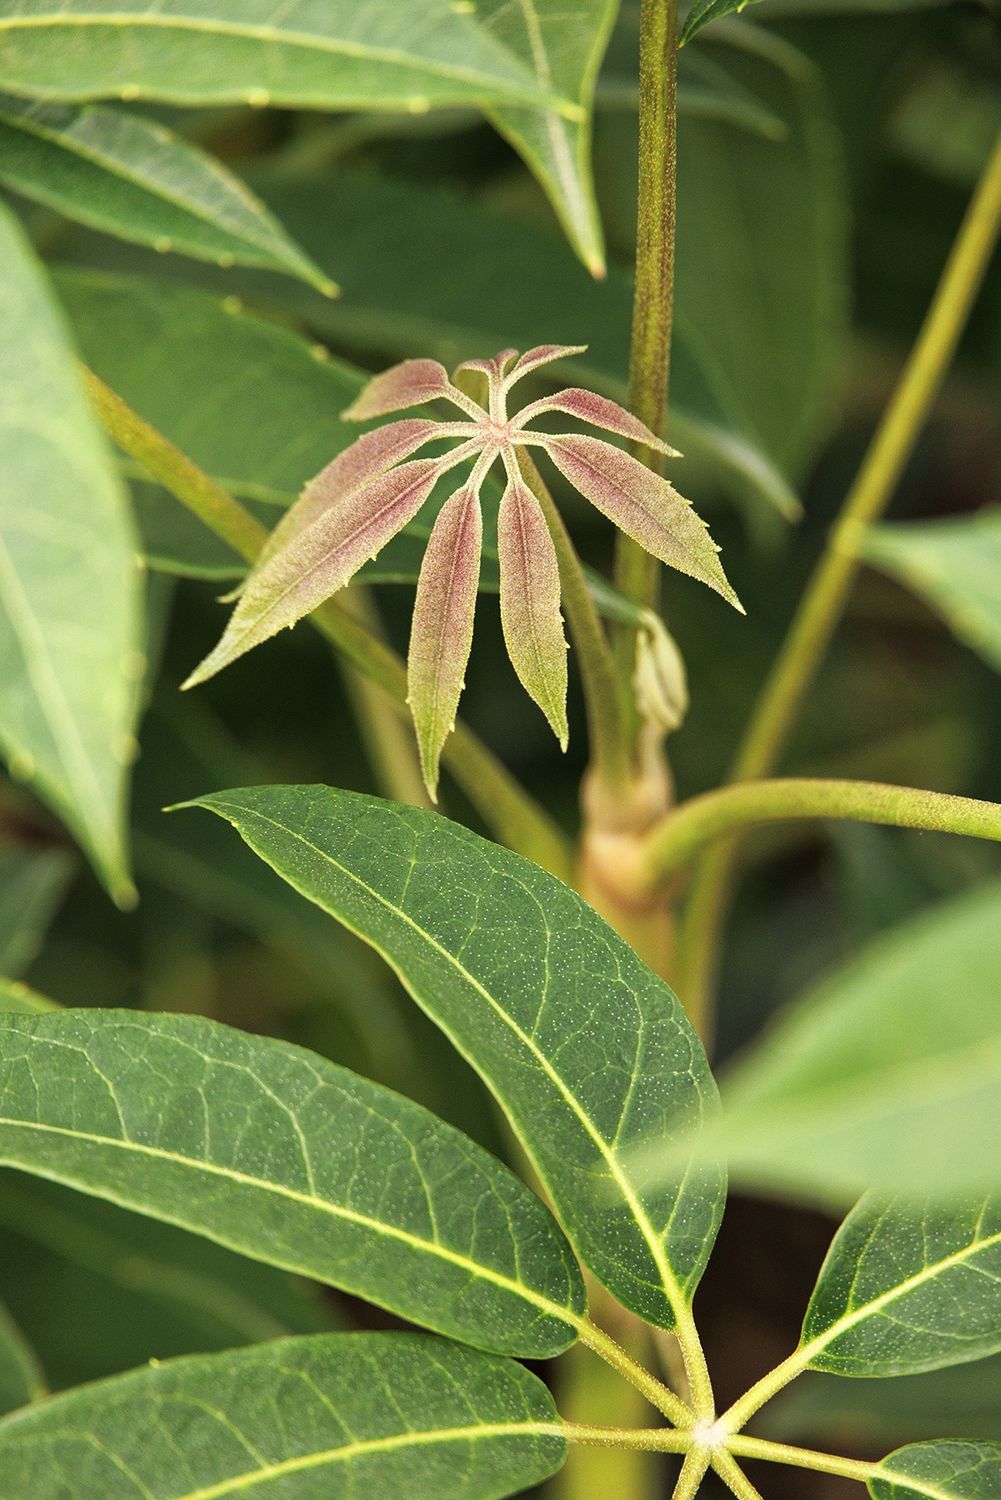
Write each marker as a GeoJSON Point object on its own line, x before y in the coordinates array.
{"type": "Point", "coordinates": [441, 632]}
{"type": "Point", "coordinates": [530, 605]}
{"type": "Point", "coordinates": [599, 411]}
{"type": "Point", "coordinates": [644, 506]}
{"type": "Point", "coordinates": [542, 354]}
{"type": "Point", "coordinates": [410, 383]}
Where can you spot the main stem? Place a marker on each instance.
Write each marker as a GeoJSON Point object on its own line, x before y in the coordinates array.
{"type": "Point", "coordinates": [516, 819]}
{"type": "Point", "coordinates": [824, 600]}
{"type": "Point", "coordinates": [637, 574]}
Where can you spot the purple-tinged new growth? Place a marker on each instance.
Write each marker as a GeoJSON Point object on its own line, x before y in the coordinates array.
{"type": "Point", "coordinates": [376, 486]}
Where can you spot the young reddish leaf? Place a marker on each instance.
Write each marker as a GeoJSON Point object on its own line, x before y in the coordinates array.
{"type": "Point", "coordinates": [371, 454]}
{"type": "Point", "coordinates": [643, 505]}
{"type": "Point", "coordinates": [408, 384]}
{"type": "Point", "coordinates": [543, 354]}
{"type": "Point", "coordinates": [586, 406]}
{"type": "Point", "coordinates": [530, 604]}
{"type": "Point", "coordinates": [322, 558]}
{"type": "Point", "coordinates": [489, 367]}
{"type": "Point", "coordinates": [441, 632]}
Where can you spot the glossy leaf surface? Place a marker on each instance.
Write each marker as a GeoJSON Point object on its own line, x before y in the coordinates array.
{"type": "Point", "coordinates": [589, 1052]}
{"type": "Point", "coordinates": [132, 178]}
{"type": "Point", "coordinates": [322, 1418]}
{"type": "Point", "coordinates": [327, 1175]}
{"type": "Point", "coordinates": [908, 1287]}
{"type": "Point", "coordinates": [68, 670]}
{"type": "Point", "coordinates": [940, 1471]}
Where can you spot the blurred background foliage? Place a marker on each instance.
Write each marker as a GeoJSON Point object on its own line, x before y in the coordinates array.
{"type": "Point", "coordinates": [826, 155]}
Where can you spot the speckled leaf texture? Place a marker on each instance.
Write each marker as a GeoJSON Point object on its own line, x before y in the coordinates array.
{"type": "Point", "coordinates": [70, 613]}
{"type": "Point", "coordinates": [320, 54]}
{"type": "Point", "coordinates": [589, 1053]}
{"type": "Point", "coordinates": [136, 179]}
{"type": "Point", "coordinates": [908, 1287]}
{"type": "Point", "coordinates": [325, 1418]}
{"type": "Point", "coordinates": [940, 1471]}
{"type": "Point", "coordinates": [275, 1152]}
{"type": "Point", "coordinates": [530, 604]}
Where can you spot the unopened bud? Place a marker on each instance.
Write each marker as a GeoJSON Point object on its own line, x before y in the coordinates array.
{"type": "Point", "coordinates": [659, 681]}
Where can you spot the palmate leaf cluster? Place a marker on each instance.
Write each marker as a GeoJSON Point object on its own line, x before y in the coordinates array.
{"type": "Point", "coordinates": [273, 1151]}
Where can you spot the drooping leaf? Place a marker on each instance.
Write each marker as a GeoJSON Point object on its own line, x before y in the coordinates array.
{"type": "Point", "coordinates": [321, 558]}
{"type": "Point", "coordinates": [564, 51]}
{"type": "Point", "coordinates": [955, 566]}
{"type": "Point", "coordinates": [940, 1471]}
{"type": "Point", "coordinates": [32, 884]}
{"type": "Point", "coordinates": [328, 1175]}
{"type": "Point", "coordinates": [68, 670]}
{"type": "Point", "coordinates": [21, 1378]}
{"type": "Point", "coordinates": [135, 179]}
{"type": "Point", "coordinates": [338, 55]}
{"type": "Point", "coordinates": [530, 605]}
{"type": "Point", "coordinates": [101, 1290]}
{"type": "Point", "coordinates": [908, 1287]}
{"type": "Point", "coordinates": [441, 631]}
{"type": "Point", "coordinates": [643, 505]}
{"type": "Point", "coordinates": [887, 1075]}
{"type": "Point", "coordinates": [321, 1418]}
{"type": "Point", "coordinates": [588, 1051]}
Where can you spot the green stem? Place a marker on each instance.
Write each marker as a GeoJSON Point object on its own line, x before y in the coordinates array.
{"type": "Point", "coordinates": [693, 1471]}
{"type": "Point", "coordinates": [506, 808]}
{"type": "Point", "coordinates": [802, 1458]}
{"type": "Point", "coordinates": [637, 574]}
{"type": "Point", "coordinates": [655, 1440]}
{"type": "Point", "coordinates": [733, 1476]}
{"type": "Point", "coordinates": [659, 1395]}
{"type": "Point", "coordinates": [824, 600]}
{"type": "Point", "coordinates": [685, 832]}
{"type": "Point", "coordinates": [603, 702]}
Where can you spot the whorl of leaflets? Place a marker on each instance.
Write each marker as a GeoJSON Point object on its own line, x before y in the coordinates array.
{"type": "Point", "coordinates": [375, 487]}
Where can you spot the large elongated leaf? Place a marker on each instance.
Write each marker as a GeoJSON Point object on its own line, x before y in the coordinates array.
{"type": "Point", "coordinates": [908, 1287]}
{"type": "Point", "coordinates": [940, 1471]}
{"type": "Point", "coordinates": [321, 54]}
{"type": "Point", "coordinates": [887, 1075]}
{"type": "Point", "coordinates": [69, 587]}
{"type": "Point", "coordinates": [274, 1152]}
{"type": "Point", "coordinates": [955, 565]}
{"type": "Point", "coordinates": [21, 1378]}
{"type": "Point", "coordinates": [588, 1051]}
{"type": "Point", "coordinates": [135, 179]}
{"type": "Point", "coordinates": [564, 51]}
{"type": "Point", "coordinates": [323, 1418]}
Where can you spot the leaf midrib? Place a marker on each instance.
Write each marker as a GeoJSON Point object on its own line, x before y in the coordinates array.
{"type": "Point", "coordinates": [264, 33]}
{"type": "Point", "coordinates": [671, 1286]}
{"type": "Point", "coordinates": [871, 1309]}
{"type": "Point", "coordinates": [308, 1200]}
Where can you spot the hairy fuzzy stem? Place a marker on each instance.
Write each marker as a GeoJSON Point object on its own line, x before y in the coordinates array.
{"type": "Point", "coordinates": [636, 572]}
{"type": "Point", "coordinates": [734, 1477]}
{"type": "Point", "coordinates": [657, 1394]}
{"type": "Point", "coordinates": [507, 809]}
{"type": "Point", "coordinates": [683, 834]}
{"type": "Point", "coordinates": [802, 1458]}
{"type": "Point", "coordinates": [824, 600]}
{"type": "Point", "coordinates": [693, 1472]}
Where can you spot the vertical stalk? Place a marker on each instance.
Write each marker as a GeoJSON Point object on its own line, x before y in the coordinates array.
{"type": "Point", "coordinates": [825, 596]}
{"type": "Point", "coordinates": [637, 574]}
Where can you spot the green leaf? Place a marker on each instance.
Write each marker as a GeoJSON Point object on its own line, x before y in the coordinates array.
{"type": "Point", "coordinates": [18, 999]}
{"type": "Point", "coordinates": [887, 1075]}
{"type": "Point", "coordinates": [325, 1174]}
{"type": "Point", "coordinates": [21, 1378]}
{"type": "Point", "coordinates": [32, 884]}
{"type": "Point", "coordinates": [100, 1290]}
{"type": "Point", "coordinates": [955, 566]}
{"type": "Point", "coordinates": [341, 54]}
{"type": "Point", "coordinates": [70, 632]}
{"type": "Point", "coordinates": [564, 50]}
{"type": "Point", "coordinates": [322, 1418]}
{"type": "Point", "coordinates": [940, 1471]}
{"type": "Point", "coordinates": [130, 177]}
{"type": "Point", "coordinates": [590, 1053]}
{"type": "Point", "coordinates": [908, 1287]}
